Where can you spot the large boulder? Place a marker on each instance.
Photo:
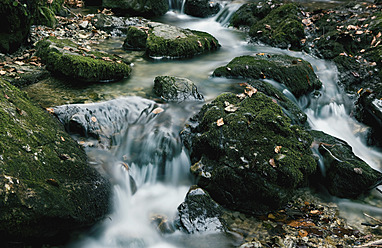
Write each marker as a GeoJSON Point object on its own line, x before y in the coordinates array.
{"type": "Point", "coordinates": [345, 175]}
{"type": "Point", "coordinates": [47, 189]}
{"type": "Point", "coordinates": [296, 74]}
{"type": "Point", "coordinates": [201, 8]}
{"type": "Point", "coordinates": [169, 41]}
{"type": "Point", "coordinates": [176, 89]}
{"type": "Point", "coordinates": [64, 57]}
{"type": "Point", "coordinates": [15, 20]}
{"type": "Point", "coordinates": [246, 153]}
{"type": "Point", "coordinates": [145, 8]}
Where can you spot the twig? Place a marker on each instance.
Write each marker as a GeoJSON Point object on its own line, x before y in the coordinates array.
{"type": "Point", "coordinates": [373, 218]}
{"type": "Point", "coordinates": [377, 243]}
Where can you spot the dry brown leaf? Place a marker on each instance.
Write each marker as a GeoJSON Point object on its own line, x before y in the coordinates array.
{"type": "Point", "coordinates": [250, 91]}
{"type": "Point", "coordinates": [50, 110]}
{"type": "Point", "coordinates": [278, 149]}
{"type": "Point", "coordinates": [220, 122]}
{"type": "Point", "coordinates": [231, 108]}
{"type": "Point", "coordinates": [157, 110]}
{"type": "Point", "coordinates": [272, 163]}
{"type": "Point", "coordinates": [3, 72]}
{"type": "Point", "coordinates": [359, 32]}
{"type": "Point", "coordinates": [19, 62]}
{"type": "Point", "coordinates": [359, 91]}
{"type": "Point", "coordinates": [94, 119]}
{"type": "Point", "coordinates": [302, 233]}
{"type": "Point", "coordinates": [62, 138]}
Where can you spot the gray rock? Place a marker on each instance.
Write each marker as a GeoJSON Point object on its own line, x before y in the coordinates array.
{"type": "Point", "coordinates": [145, 8]}
{"type": "Point", "coordinates": [176, 89]}
{"type": "Point", "coordinates": [201, 8]}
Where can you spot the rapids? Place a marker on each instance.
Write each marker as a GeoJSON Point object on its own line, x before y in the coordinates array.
{"type": "Point", "coordinates": [160, 191]}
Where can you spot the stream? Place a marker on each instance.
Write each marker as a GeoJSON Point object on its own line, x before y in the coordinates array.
{"type": "Point", "coordinates": [152, 151]}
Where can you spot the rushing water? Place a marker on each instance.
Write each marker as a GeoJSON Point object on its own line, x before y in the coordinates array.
{"type": "Point", "coordinates": [161, 176]}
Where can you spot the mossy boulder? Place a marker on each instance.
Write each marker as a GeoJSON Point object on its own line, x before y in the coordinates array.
{"type": "Point", "coordinates": [65, 58]}
{"type": "Point", "coordinates": [47, 189]}
{"type": "Point", "coordinates": [282, 27]}
{"type": "Point", "coordinates": [345, 175]}
{"type": "Point", "coordinates": [170, 41]}
{"type": "Point", "coordinates": [250, 13]}
{"type": "Point", "coordinates": [296, 74]}
{"type": "Point", "coordinates": [201, 8]}
{"type": "Point", "coordinates": [246, 153]}
{"type": "Point", "coordinates": [176, 89]}
{"type": "Point", "coordinates": [46, 13]}
{"type": "Point", "coordinates": [15, 20]}
{"type": "Point", "coordinates": [145, 8]}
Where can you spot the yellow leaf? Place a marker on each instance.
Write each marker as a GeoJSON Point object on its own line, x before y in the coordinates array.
{"type": "Point", "coordinates": [220, 122]}
{"type": "Point", "coordinates": [157, 110]}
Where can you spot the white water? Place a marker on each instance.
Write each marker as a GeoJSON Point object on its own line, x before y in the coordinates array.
{"type": "Point", "coordinates": [130, 225]}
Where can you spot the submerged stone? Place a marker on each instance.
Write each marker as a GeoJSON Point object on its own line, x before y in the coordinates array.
{"type": "Point", "coordinates": [296, 74]}
{"type": "Point", "coordinates": [176, 89]}
{"type": "Point", "coordinates": [246, 153]}
{"type": "Point", "coordinates": [345, 174]}
{"type": "Point", "coordinates": [66, 58]}
{"type": "Point", "coordinates": [47, 189]}
{"type": "Point", "coordinates": [170, 41]}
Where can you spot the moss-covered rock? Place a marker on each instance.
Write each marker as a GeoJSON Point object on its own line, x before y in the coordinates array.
{"type": "Point", "coordinates": [176, 89]}
{"type": "Point", "coordinates": [296, 74]}
{"type": "Point", "coordinates": [250, 13]}
{"type": "Point", "coordinates": [282, 27]}
{"type": "Point", "coordinates": [246, 153]}
{"type": "Point", "coordinates": [173, 42]}
{"type": "Point", "coordinates": [136, 39]}
{"type": "Point", "coordinates": [345, 175]}
{"type": "Point", "coordinates": [15, 20]}
{"type": "Point", "coordinates": [201, 8]}
{"type": "Point", "coordinates": [64, 58]}
{"type": "Point", "coordinates": [169, 41]}
{"type": "Point", "coordinates": [47, 188]}
{"type": "Point", "coordinates": [146, 8]}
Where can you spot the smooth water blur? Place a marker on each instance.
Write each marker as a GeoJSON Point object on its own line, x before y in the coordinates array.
{"type": "Point", "coordinates": [159, 165]}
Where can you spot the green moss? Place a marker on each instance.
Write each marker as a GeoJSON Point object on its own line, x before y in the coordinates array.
{"type": "Point", "coordinates": [282, 27]}
{"type": "Point", "coordinates": [135, 39]}
{"type": "Point", "coordinates": [191, 43]}
{"type": "Point", "coordinates": [90, 68]}
{"type": "Point", "coordinates": [241, 149]}
{"type": "Point", "coordinates": [43, 173]}
{"type": "Point", "coordinates": [296, 74]}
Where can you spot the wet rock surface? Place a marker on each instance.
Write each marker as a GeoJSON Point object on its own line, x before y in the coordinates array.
{"type": "Point", "coordinates": [201, 8]}
{"type": "Point", "coordinates": [47, 188]}
{"type": "Point", "coordinates": [246, 153]}
{"type": "Point", "coordinates": [296, 74]}
{"type": "Point", "coordinates": [176, 89]}
{"type": "Point", "coordinates": [146, 8]}
{"type": "Point", "coordinates": [199, 213]}
{"type": "Point", "coordinates": [170, 41]}
{"type": "Point", "coordinates": [345, 175]}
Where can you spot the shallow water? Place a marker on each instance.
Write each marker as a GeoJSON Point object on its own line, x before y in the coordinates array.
{"type": "Point", "coordinates": [160, 193]}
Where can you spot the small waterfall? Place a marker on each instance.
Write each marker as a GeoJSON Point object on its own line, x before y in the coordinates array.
{"type": "Point", "coordinates": [225, 14]}
{"type": "Point", "coordinates": [177, 5]}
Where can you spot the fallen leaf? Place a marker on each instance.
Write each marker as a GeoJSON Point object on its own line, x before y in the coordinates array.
{"type": "Point", "coordinates": [231, 108]}
{"type": "Point", "coordinates": [200, 44]}
{"type": "Point", "coordinates": [272, 162]}
{"type": "Point", "coordinates": [6, 96]}
{"type": "Point", "coordinates": [358, 171]}
{"type": "Point", "coordinates": [250, 91]}
{"type": "Point", "coordinates": [94, 119]}
{"type": "Point", "coordinates": [359, 32]}
{"type": "Point", "coordinates": [220, 122]}
{"type": "Point", "coordinates": [241, 96]}
{"type": "Point", "coordinates": [315, 212]}
{"type": "Point", "coordinates": [19, 62]}
{"type": "Point", "coordinates": [302, 233]}
{"type": "Point", "coordinates": [157, 110]}
{"type": "Point", "coordinates": [62, 138]}
{"type": "Point", "coordinates": [3, 72]}
{"type": "Point", "coordinates": [125, 165]}
{"type": "Point", "coordinates": [278, 149]}
{"type": "Point", "coordinates": [261, 54]}
{"type": "Point", "coordinates": [359, 91]}
{"type": "Point", "coordinates": [267, 26]}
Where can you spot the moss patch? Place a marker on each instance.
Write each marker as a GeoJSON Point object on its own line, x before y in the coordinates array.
{"type": "Point", "coordinates": [63, 57]}
{"type": "Point", "coordinates": [254, 158]}
{"type": "Point", "coordinates": [46, 186]}
{"type": "Point", "coordinates": [296, 74]}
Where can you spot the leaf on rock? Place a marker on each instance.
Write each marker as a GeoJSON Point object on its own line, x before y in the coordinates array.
{"type": "Point", "coordinates": [94, 119]}
{"type": "Point", "coordinates": [157, 110]}
{"type": "Point", "coordinates": [220, 122]}
{"type": "Point", "coordinates": [278, 149]}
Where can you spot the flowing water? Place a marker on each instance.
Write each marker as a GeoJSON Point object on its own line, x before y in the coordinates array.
{"type": "Point", "coordinates": [148, 152]}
